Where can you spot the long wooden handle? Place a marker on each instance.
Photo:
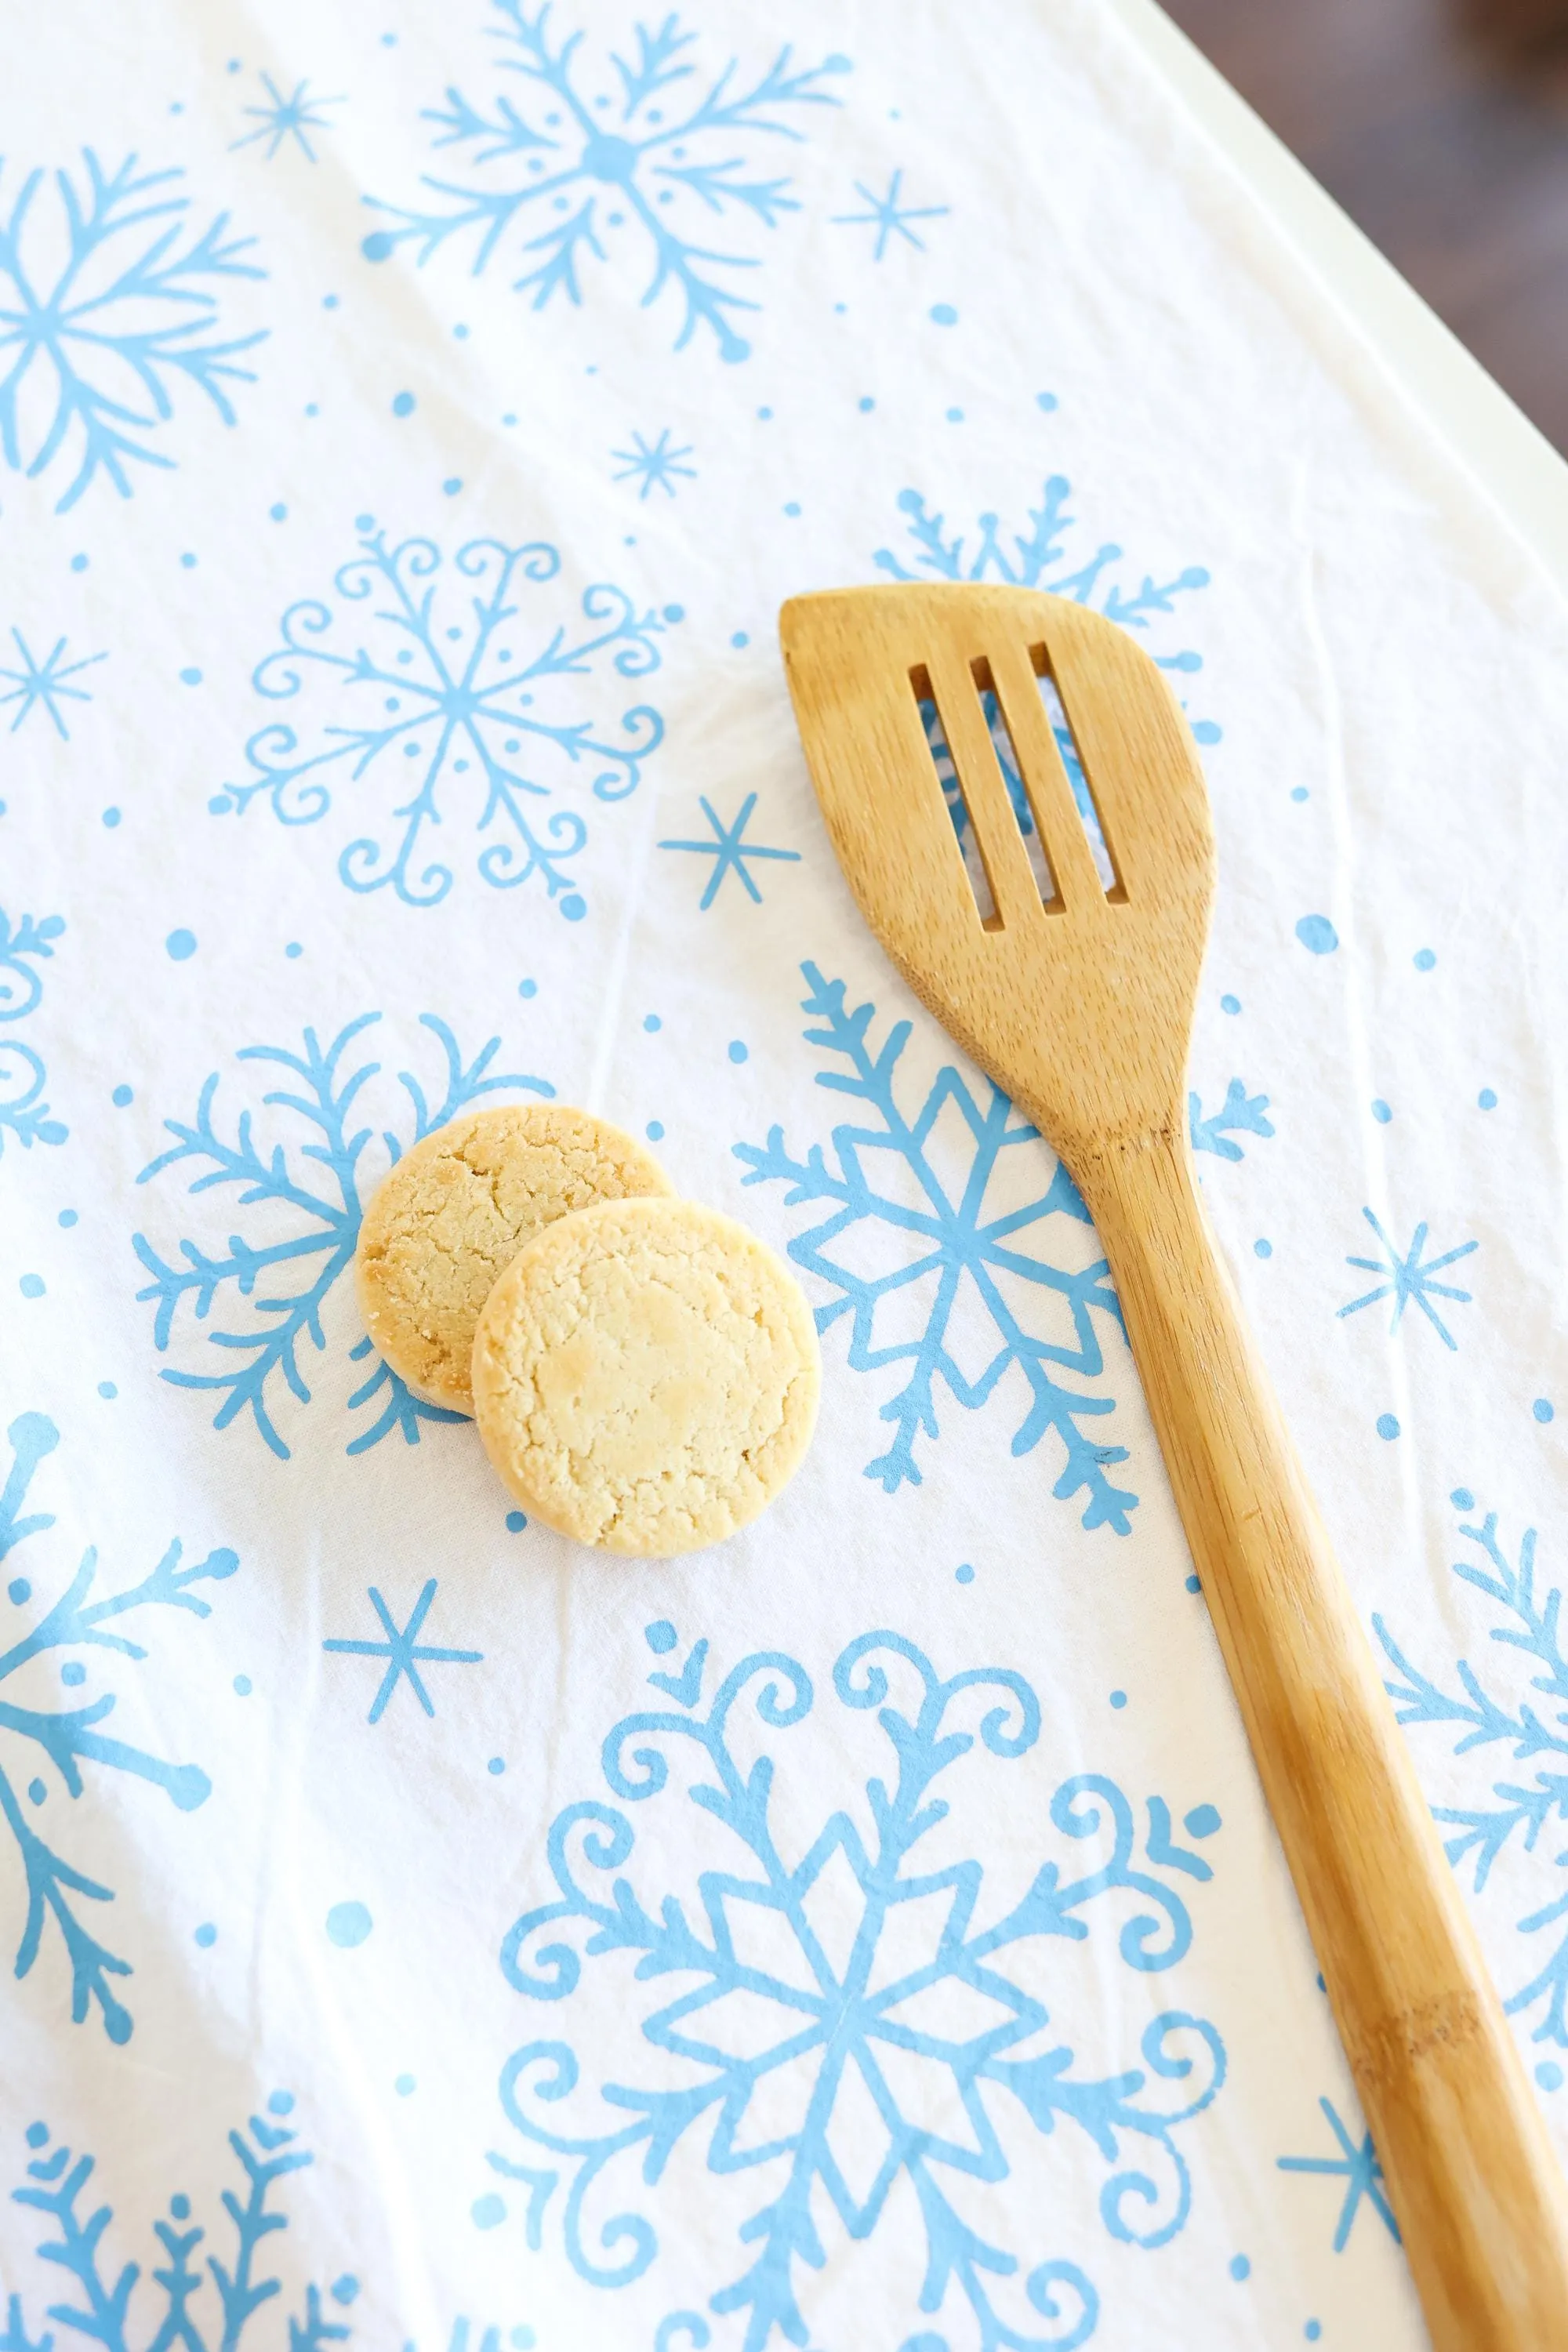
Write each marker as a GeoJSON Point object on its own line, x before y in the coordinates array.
{"type": "Point", "coordinates": [1470, 2169]}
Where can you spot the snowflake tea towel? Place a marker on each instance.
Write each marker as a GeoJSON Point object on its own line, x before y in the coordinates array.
{"type": "Point", "coordinates": [865, 1934]}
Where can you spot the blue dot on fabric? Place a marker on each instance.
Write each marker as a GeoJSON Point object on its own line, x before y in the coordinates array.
{"type": "Point", "coordinates": [206, 1934]}
{"type": "Point", "coordinates": [1380, 1111]}
{"type": "Point", "coordinates": [660, 1636]}
{"type": "Point", "coordinates": [524, 2339]}
{"type": "Point", "coordinates": [1262, 1249]}
{"type": "Point", "coordinates": [281, 2103]}
{"type": "Point", "coordinates": [738, 1052]}
{"type": "Point", "coordinates": [348, 1923]}
{"type": "Point", "coordinates": [487, 2212]}
{"type": "Point", "coordinates": [293, 949]}
{"type": "Point", "coordinates": [516, 1522]}
{"type": "Point", "coordinates": [242, 1685]}
{"type": "Point", "coordinates": [181, 944]}
{"type": "Point", "coordinates": [955, 415]}
{"type": "Point", "coordinates": [1241, 2267]}
{"type": "Point", "coordinates": [1424, 959]}
{"type": "Point", "coordinates": [1195, 1584]}
{"type": "Point", "coordinates": [121, 1096]}
{"type": "Point", "coordinates": [1549, 2074]}
{"type": "Point", "coordinates": [867, 404]}
{"type": "Point", "coordinates": [344, 2289]}
{"type": "Point", "coordinates": [495, 1766]}
{"type": "Point", "coordinates": [1300, 792]}
{"type": "Point", "coordinates": [741, 640]}
{"type": "Point", "coordinates": [963, 1573]}
{"type": "Point", "coordinates": [180, 2207]}
{"type": "Point", "coordinates": [1387, 1425]}
{"type": "Point", "coordinates": [403, 404]}
{"type": "Point", "coordinates": [36, 2134]}
{"type": "Point", "coordinates": [1046, 401]}
{"type": "Point", "coordinates": [1202, 1822]}
{"type": "Point", "coordinates": [188, 561]}
{"type": "Point", "coordinates": [67, 1217]}
{"type": "Point", "coordinates": [219, 804]}
{"type": "Point", "coordinates": [1119, 1698]}
{"type": "Point", "coordinates": [1316, 935]}
{"type": "Point", "coordinates": [112, 818]}
{"type": "Point", "coordinates": [654, 1131]}
{"type": "Point", "coordinates": [1206, 731]}
{"type": "Point", "coordinates": [652, 1023]}
{"type": "Point", "coordinates": [792, 507]}
{"type": "Point", "coordinates": [73, 1671]}
{"type": "Point", "coordinates": [452, 485]}
{"type": "Point", "coordinates": [1462, 1499]}
{"type": "Point", "coordinates": [18, 1590]}
{"type": "Point", "coordinates": [574, 907]}
{"type": "Point", "coordinates": [1230, 1005]}
{"type": "Point", "coordinates": [280, 514]}
{"type": "Point", "coordinates": [1313, 2330]}
{"type": "Point", "coordinates": [1486, 1099]}
{"type": "Point", "coordinates": [36, 1792]}
{"type": "Point", "coordinates": [31, 1286]}
{"type": "Point", "coordinates": [107, 1389]}
{"type": "Point", "coordinates": [79, 563]}
{"type": "Point", "coordinates": [403, 2085]}
{"type": "Point", "coordinates": [1543, 1409]}
{"type": "Point", "coordinates": [526, 988]}
{"type": "Point", "coordinates": [943, 314]}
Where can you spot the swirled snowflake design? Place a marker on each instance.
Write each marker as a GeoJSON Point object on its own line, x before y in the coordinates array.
{"type": "Point", "coordinates": [66, 1638]}
{"type": "Point", "coordinates": [839, 2005]}
{"type": "Point", "coordinates": [946, 1230]}
{"type": "Point", "coordinates": [637, 151]}
{"type": "Point", "coordinates": [1506, 1826]}
{"type": "Point", "coordinates": [307, 1189]}
{"type": "Point", "coordinates": [109, 304]}
{"type": "Point", "coordinates": [202, 2298]}
{"type": "Point", "coordinates": [419, 680]}
{"type": "Point", "coordinates": [26, 943]}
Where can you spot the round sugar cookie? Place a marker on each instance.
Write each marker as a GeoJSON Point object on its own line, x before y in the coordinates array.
{"type": "Point", "coordinates": [455, 1211]}
{"type": "Point", "coordinates": [645, 1376]}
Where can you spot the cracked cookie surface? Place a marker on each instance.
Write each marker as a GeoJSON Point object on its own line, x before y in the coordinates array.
{"type": "Point", "coordinates": [645, 1376]}
{"type": "Point", "coordinates": [449, 1218]}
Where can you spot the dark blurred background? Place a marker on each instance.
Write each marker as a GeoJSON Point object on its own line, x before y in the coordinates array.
{"type": "Point", "coordinates": [1441, 126]}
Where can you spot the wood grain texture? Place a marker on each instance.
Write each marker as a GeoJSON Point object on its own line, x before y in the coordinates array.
{"type": "Point", "coordinates": [1080, 1006]}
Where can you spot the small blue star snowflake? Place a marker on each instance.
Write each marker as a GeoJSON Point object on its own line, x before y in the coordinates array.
{"type": "Point", "coordinates": [286, 118]}
{"type": "Point", "coordinates": [730, 851]}
{"type": "Point", "coordinates": [656, 463]}
{"type": "Point", "coordinates": [44, 682]}
{"type": "Point", "coordinates": [1360, 2171]}
{"type": "Point", "coordinates": [889, 218]}
{"type": "Point", "coordinates": [403, 1652]}
{"type": "Point", "coordinates": [1408, 1279]}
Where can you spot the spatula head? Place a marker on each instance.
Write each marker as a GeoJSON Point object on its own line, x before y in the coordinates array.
{"type": "Point", "coordinates": [1075, 991]}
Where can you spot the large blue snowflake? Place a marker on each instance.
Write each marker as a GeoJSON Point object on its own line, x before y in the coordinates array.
{"type": "Point", "coordinates": [106, 309]}
{"type": "Point", "coordinates": [939, 1232]}
{"type": "Point", "coordinates": [69, 1634]}
{"type": "Point", "coordinates": [202, 2299]}
{"type": "Point", "coordinates": [25, 945]}
{"type": "Point", "coordinates": [309, 1192]}
{"type": "Point", "coordinates": [846, 2023]}
{"type": "Point", "coordinates": [430, 682]}
{"type": "Point", "coordinates": [634, 150]}
{"type": "Point", "coordinates": [1529, 1635]}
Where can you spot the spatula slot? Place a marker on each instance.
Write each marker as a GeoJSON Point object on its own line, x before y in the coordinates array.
{"type": "Point", "coordinates": [1018, 797]}
{"type": "Point", "coordinates": [1088, 811]}
{"type": "Point", "coordinates": [967, 832]}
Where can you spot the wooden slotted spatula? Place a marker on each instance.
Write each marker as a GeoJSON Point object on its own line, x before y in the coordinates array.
{"type": "Point", "coordinates": [1079, 1005]}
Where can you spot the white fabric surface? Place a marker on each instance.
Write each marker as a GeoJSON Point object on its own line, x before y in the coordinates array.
{"type": "Point", "coordinates": [316, 1895]}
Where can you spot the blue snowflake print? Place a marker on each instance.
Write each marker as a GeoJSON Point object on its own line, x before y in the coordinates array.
{"type": "Point", "coordinates": [889, 217]}
{"type": "Point", "coordinates": [1407, 1279]}
{"type": "Point", "coordinates": [1239, 1114]}
{"type": "Point", "coordinates": [430, 682]}
{"type": "Point", "coordinates": [919, 1238]}
{"type": "Point", "coordinates": [42, 684]}
{"type": "Point", "coordinates": [106, 309]}
{"type": "Point", "coordinates": [280, 119]}
{"type": "Point", "coordinates": [1534, 1731]}
{"type": "Point", "coordinates": [653, 464]}
{"type": "Point", "coordinates": [635, 151]}
{"type": "Point", "coordinates": [846, 2031]}
{"type": "Point", "coordinates": [309, 1191]}
{"type": "Point", "coordinates": [1357, 2165]}
{"type": "Point", "coordinates": [404, 1651]}
{"type": "Point", "coordinates": [25, 945]}
{"type": "Point", "coordinates": [730, 851]}
{"type": "Point", "coordinates": [202, 2298]}
{"type": "Point", "coordinates": [1041, 557]}
{"type": "Point", "coordinates": [63, 1738]}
